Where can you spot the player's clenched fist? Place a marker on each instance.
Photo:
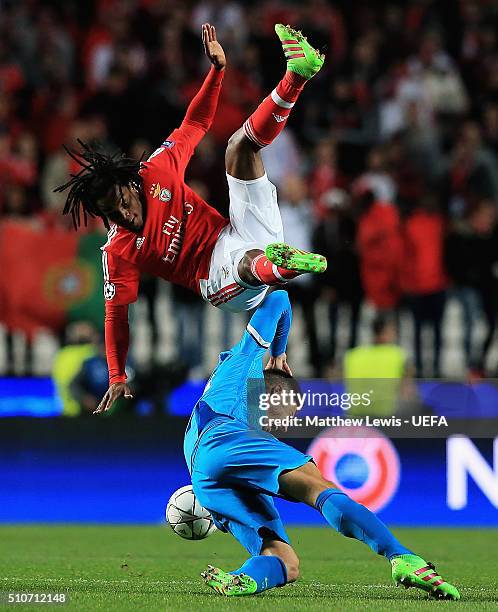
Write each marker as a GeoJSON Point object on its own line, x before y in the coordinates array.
{"type": "Point", "coordinates": [212, 47]}
{"type": "Point", "coordinates": [115, 391]}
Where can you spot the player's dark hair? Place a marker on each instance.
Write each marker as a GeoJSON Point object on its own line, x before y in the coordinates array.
{"type": "Point", "coordinates": [275, 376]}
{"type": "Point", "coordinates": [381, 322]}
{"type": "Point", "coordinates": [100, 173]}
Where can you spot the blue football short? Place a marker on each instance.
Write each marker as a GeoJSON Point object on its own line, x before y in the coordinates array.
{"type": "Point", "coordinates": [235, 473]}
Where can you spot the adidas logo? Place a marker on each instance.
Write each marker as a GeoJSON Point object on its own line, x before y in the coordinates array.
{"type": "Point", "coordinates": [140, 241]}
{"type": "Point", "coordinates": [278, 118]}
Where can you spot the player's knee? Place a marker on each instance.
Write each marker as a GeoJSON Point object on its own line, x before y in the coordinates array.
{"type": "Point", "coordinates": [318, 486]}
{"type": "Point", "coordinates": [324, 484]}
{"type": "Point", "coordinates": [244, 267]}
{"type": "Point", "coordinates": [305, 483]}
{"type": "Point", "coordinates": [237, 140]}
{"type": "Point", "coordinates": [242, 156]}
{"type": "Point", "coordinates": [316, 483]}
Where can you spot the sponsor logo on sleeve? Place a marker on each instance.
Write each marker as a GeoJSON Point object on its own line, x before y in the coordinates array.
{"type": "Point", "coordinates": [140, 240]}
{"type": "Point", "coordinates": [169, 144]}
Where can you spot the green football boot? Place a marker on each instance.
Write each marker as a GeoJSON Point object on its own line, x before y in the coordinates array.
{"type": "Point", "coordinates": [302, 58]}
{"type": "Point", "coordinates": [290, 258]}
{"type": "Point", "coordinates": [230, 585]}
{"type": "Point", "coordinates": [413, 571]}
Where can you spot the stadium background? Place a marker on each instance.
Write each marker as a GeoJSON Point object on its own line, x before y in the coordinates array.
{"type": "Point", "coordinates": [388, 166]}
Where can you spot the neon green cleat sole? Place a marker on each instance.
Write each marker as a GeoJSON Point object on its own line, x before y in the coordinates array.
{"type": "Point", "coordinates": [302, 58]}
{"type": "Point", "coordinates": [413, 571]}
{"type": "Point", "coordinates": [229, 585]}
{"type": "Point", "coordinates": [290, 258]}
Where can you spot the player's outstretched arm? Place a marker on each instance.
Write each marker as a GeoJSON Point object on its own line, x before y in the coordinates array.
{"type": "Point", "coordinates": [269, 326]}
{"type": "Point", "coordinates": [202, 109]}
{"type": "Point", "coordinates": [212, 47]}
{"type": "Point", "coordinates": [115, 391]}
{"type": "Point", "coordinates": [117, 338]}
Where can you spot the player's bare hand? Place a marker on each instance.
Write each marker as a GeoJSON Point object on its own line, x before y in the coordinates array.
{"type": "Point", "coordinates": [212, 47]}
{"type": "Point", "coordinates": [279, 363]}
{"type": "Point", "coordinates": [115, 391]}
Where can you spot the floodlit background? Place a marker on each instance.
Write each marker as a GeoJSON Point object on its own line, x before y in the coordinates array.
{"type": "Point", "coordinates": [388, 166]}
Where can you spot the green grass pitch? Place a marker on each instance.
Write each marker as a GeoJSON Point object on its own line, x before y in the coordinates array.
{"type": "Point", "coordinates": [151, 568]}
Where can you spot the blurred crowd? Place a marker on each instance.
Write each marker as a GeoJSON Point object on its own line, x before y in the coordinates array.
{"type": "Point", "coordinates": [388, 165]}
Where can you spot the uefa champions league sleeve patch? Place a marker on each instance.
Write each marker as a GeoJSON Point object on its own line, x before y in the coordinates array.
{"type": "Point", "coordinates": [109, 290]}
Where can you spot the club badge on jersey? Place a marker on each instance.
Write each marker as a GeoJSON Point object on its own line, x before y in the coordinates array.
{"type": "Point", "coordinates": [156, 191]}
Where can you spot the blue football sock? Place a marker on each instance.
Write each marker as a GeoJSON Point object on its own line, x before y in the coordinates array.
{"type": "Point", "coordinates": [267, 571]}
{"type": "Point", "coordinates": [355, 521]}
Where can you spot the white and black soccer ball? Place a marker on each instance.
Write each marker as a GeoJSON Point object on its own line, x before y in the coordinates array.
{"type": "Point", "coordinates": [187, 517]}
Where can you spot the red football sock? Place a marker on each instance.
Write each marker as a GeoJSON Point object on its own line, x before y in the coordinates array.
{"type": "Point", "coordinates": [270, 274]}
{"type": "Point", "coordinates": [269, 119]}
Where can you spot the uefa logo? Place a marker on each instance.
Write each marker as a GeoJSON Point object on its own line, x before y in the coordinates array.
{"type": "Point", "coordinates": [361, 461]}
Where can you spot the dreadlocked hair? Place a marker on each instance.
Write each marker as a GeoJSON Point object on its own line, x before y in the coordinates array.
{"type": "Point", "coordinates": [100, 172]}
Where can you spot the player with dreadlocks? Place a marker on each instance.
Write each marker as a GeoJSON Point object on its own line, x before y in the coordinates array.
{"type": "Point", "coordinates": [101, 172]}
{"type": "Point", "coordinates": [160, 226]}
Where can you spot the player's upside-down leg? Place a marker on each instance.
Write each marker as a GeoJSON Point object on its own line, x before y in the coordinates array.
{"type": "Point", "coordinates": [279, 262]}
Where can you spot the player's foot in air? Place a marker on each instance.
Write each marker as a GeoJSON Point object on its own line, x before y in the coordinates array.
{"type": "Point", "coordinates": [230, 585]}
{"type": "Point", "coordinates": [290, 258]}
{"type": "Point", "coordinates": [302, 58]}
{"type": "Point", "coordinates": [413, 571]}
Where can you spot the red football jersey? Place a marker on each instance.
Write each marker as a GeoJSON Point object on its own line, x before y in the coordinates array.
{"type": "Point", "coordinates": [180, 228]}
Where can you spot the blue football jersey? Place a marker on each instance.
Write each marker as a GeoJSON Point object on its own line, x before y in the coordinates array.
{"type": "Point", "coordinates": [238, 377]}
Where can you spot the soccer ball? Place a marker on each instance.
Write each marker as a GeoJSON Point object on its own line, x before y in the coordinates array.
{"type": "Point", "coordinates": [187, 517]}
